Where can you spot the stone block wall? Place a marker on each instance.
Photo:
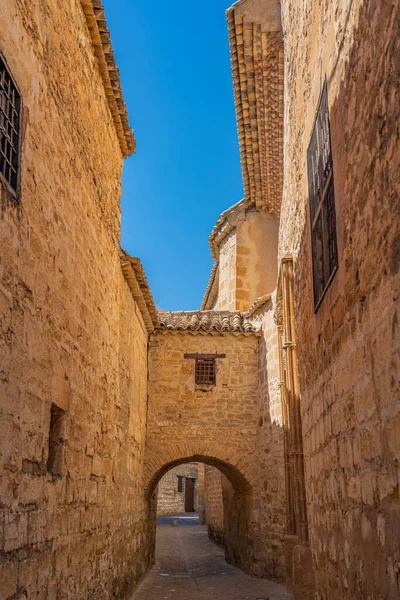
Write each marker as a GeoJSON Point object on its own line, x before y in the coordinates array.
{"type": "Point", "coordinates": [271, 446]}
{"type": "Point", "coordinates": [349, 350]}
{"type": "Point", "coordinates": [255, 262]}
{"type": "Point", "coordinates": [171, 501]}
{"type": "Point", "coordinates": [214, 503]}
{"type": "Point", "coordinates": [71, 336]}
{"type": "Point", "coordinates": [227, 274]}
{"type": "Point", "coordinates": [217, 426]}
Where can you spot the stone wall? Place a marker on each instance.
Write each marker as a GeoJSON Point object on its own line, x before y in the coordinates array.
{"type": "Point", "coordinates": [171, 501]}
{"type": "Point", "coordinates": [65, 313]}
{"type": "Point", "coordinates": [348, 351]}
{"type": "Point", "coordinates": [256, 257]}
{"type": "Point", "coordinates": [214, 503]}
{"type": "Point", "coordinates": [271, 446]}
{"type": "Point", "coordinates": [227, 274]}
{"type": "Point", "coordinates": [216, 426]}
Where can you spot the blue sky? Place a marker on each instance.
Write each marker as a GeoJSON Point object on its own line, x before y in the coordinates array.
{"type": "Point", "coordinates": [174, 64]}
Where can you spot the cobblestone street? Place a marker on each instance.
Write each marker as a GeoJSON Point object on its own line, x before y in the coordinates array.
{"type": "Point", "coordinates": [190, 567]}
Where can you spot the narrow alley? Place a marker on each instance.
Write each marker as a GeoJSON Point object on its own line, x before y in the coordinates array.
{"type": "Point", "coordinates": [190, 567]}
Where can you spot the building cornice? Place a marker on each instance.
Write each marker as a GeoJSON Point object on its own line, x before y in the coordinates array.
{"type": "Point", "coordinates": [212, 288]}
{"type": "Point", "coordinates": [101, 41]}
{"type": "Point", "coordinates": [256, 48]}
{"type": "Point", "coordinates": [257, 305]}
{"type": "Point", "coordinates": [135, 277]}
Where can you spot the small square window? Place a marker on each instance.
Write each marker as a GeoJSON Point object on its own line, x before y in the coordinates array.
{"type": "Point", "coordinates": [205, 371]}
{"type": "Point", "coordinates": [10, 125]}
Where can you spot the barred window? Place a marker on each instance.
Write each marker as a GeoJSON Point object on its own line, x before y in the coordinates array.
{"type": "Point", "coordinates": [322, 201]}
{"type": "Point", "coordinates": [10, 124]}
{"type": "Point", "coordinates": [205, 371]}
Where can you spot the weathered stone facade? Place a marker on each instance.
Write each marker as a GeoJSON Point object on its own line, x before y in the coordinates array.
{"type": "Point", "coordinates": [299, 433]}
{"type": "Point", "coordinates": [72, 334]}
{"type": "Point", "coordinates": [187, 423]}
{"type": "Point", "coordinates": [171, 493]}
{"type": "Point", "coordinates": [348, 351]}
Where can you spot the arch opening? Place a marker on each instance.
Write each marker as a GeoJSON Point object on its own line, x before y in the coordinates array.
{"type": "Point", "coordinates": [238, 481]}
{"type": "Point", "coordinates": [237, 528]}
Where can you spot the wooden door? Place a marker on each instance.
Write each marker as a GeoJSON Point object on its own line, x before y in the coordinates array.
{"type": "Point", "coordinates": [189, 495]}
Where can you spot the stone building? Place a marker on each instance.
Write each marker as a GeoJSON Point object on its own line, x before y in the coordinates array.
{"type": "Point", "coordinates": [75, 313]}
{"type": "Point", "coordinates": [283, 386]}
{"type": "Point", "coordinates": [177, 492]}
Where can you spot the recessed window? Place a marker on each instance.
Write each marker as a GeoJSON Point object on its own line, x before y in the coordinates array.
{"type": "Point", "coordinates": [322, 201]}
{"type": "Point", "coordinates": [56, 441]}
{"type": "Point", "coordinates": [205, 371]}
{"type": "Point", "coordinates": [10, 125]}
{"type": "Point", "coordinates": [180, 483]}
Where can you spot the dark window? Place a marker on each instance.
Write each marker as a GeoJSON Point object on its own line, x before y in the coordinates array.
{"type": "Point", "coordinates": [180, 484]}
{"type": "Point", "coordinates": [205, 371]}
{"type": "Point", "coordinates": [322, 201]}
{"type": "Point", "coordinates": [10, 123]}
{"type": "Point", "coordinates": [56, 441]}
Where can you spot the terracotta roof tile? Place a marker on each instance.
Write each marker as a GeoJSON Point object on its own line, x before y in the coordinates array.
{"type": "Point", "coordinates": [136, 279]}
{"type": "Point", "coordinates": [100, 36]}
{"type": "Point", "coordinates": [205, 321]}
{"type": "Point", "coordinates": [256, 47]}
{"type": "Point", "coordinates": [257, 305]}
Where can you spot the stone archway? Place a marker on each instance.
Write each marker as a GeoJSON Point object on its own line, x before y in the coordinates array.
{"type": "Point", "coordinates": [240, 505]}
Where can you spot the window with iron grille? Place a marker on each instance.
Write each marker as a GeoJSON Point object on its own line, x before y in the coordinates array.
{"type": "Point", "coordinates": [322, 201]}
{"type": "Point", "coordinates": [205, 371]}
{"type": "Point", "coordinates": [10, 123]}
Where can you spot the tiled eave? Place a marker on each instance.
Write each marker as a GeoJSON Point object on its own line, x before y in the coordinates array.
{"type": "Point", "coordinates": [135, 277]}
{"type": "Point", "coordinates": [213, 333]}
{"type": "Point", "coordinates": [100, 36]}
{"type": "Point", "coordinates": [212, 288]}
{"type": "Point", "coordinates": [207, 321]}
{"type": "Point", "coordinates": [256, 48]}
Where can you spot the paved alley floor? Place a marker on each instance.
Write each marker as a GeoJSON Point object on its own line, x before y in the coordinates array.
{"type": "Point", "coordinates": [190, 567]}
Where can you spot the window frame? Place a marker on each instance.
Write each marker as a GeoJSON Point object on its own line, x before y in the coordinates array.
{"type": "Point", "coordinates": [321, 201]}
{"type": "Point", "coordinates": [15, 192]}
{"type": "Point", "coordinates": [212, 368]}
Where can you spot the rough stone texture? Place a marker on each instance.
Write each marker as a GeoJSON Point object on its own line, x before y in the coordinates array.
{"type": "Point", "coordinates": [271, 446]}
{"type": "Point", "coordinates": [256, 257]}
{"type": "Point", "coordinates": [227, 274]}
{"type": "Point", "coordinates": [70, 331]}
{"type": "Point", "coordinates": [349, 351]}
{"type": "Point", "coordinates": [200, 493]}
{"type": "Point", "coordinates": [248, 269]}
{"type": "Point", "coordinates": [169, 499]}
{"type": "Point", "coordinates": [244, 243]}
{"type": "Point", "coordinates": [214, 503]}
{"type": "Point", "coordinates": [217, 426]}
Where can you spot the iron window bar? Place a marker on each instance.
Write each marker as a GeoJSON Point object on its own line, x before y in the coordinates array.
{"type": "Point", "coordinates": [10, 125]}
{"type": "Point", "coordinates": [322, 201]}
{"type": "Point", "coordinates": [205, 371]}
